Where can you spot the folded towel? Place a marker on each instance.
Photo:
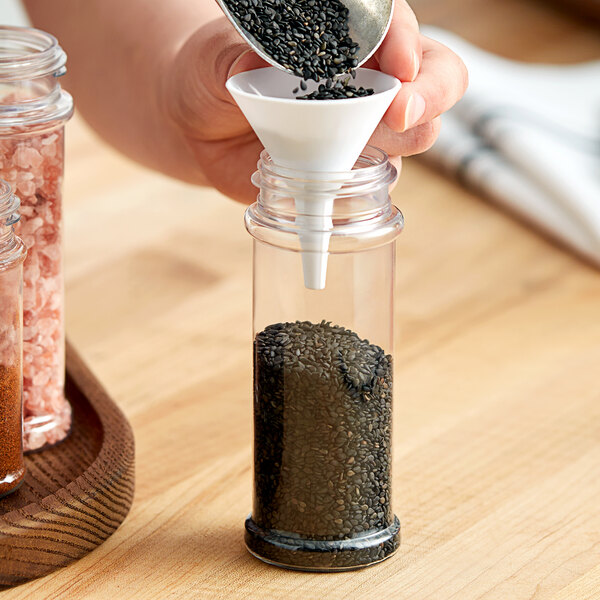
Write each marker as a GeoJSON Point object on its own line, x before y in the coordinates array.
{"type": "Point", "coordinates": [528, 137]}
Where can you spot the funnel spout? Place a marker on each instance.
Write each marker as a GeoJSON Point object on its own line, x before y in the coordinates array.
{"type": "Point", "coordinates": [314, 224]}
{"type": "Point", "coordinates": [314, 136]}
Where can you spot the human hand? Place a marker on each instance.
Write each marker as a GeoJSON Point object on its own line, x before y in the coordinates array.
{"type": "Point", "coordinates": [222, 142]}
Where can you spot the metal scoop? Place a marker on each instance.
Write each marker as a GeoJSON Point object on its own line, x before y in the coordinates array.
{"type": "Point", "coordinates": [368, 22]}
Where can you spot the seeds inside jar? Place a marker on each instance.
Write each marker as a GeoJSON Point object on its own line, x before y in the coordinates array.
{"type": "Point", "coordinates": [322, 411]}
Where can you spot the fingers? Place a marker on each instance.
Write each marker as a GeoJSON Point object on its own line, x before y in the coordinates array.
{"type": "Point", "coordinates": [230, 163]}
{"type": "Point", "coordinates": [441, 82]}
{"type": "Point", "coordinates": [195, 92]}
{"type": "Point", "coordinates": [397, 162]}
{"type": "Point", "coordinates": [400, 52]}
{"type": "Point", "coordinates": [414, 141]}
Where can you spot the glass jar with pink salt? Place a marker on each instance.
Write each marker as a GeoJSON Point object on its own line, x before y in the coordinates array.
{"type": "Point", "coordinates": [33, 112]}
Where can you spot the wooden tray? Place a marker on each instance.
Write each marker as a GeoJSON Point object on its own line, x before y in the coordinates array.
{"type": "Point", "coordinates": [74, 495]}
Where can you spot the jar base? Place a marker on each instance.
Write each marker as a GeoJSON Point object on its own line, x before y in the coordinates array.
{"type": "Point", "coordinates": [296, 553]}
{"type": "Point", "coordinates": [47, 431]}
{"type": "Point", "coordinates": [12, 490]}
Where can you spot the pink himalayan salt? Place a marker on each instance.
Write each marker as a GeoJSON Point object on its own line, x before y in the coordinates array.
{"type": "Point", "coordinates": [33, 165]}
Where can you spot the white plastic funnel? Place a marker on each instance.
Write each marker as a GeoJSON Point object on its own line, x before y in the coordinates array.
{"type": "Point", "coordinates": [317, 136]}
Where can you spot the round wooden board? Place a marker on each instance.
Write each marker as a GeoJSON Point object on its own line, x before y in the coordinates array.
{"type": "Point", "coordinates": [74, 495]}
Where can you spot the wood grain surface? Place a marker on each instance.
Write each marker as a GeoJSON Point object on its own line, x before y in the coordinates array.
{"type": "Point", "coordinates": [76, 494]}
{"type": "Point", "coordinates": [497, 416]}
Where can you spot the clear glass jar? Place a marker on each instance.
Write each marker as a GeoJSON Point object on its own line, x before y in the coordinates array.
{"type": "Point", "coordinates": [33, 111]}
{"type": "Point", "coordinates": [323, 370]}
{"type": "Point", "coordinates": [12, 255]}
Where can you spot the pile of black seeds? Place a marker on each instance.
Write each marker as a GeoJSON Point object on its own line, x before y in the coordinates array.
{"type": "Point", "coordinates": [322, 448]}
{"type": "Point", "coordinates": [309, 37]}
{"type": "Point", "coordinates": [337, 91]}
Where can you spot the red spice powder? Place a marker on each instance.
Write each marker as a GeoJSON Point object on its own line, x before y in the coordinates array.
{"type": "Point", "coordinates": [12, 467]}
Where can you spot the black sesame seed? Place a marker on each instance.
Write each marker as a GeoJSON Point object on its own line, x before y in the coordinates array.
{"type": "Point", "coordinates": [316, 35]}
{"type": "Point", "coordinates": [339, 90]}
{"type": "Point", "coordinates": [322, 451]}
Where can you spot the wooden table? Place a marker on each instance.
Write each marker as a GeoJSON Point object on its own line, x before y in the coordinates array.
{"type": "Point", "coordinates": [497, 424]}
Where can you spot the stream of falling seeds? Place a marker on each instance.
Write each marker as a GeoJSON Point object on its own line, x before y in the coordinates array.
{"type": "Point", "coordinates": [309, 37]}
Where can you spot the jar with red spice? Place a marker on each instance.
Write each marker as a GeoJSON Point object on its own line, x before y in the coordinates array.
{"type": "Point", "coordinates": [12, 254]}
{"type": "Point", "coordinates": [33, 112]}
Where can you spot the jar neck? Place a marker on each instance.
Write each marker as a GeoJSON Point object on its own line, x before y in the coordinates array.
{"type": "Point", "coordinates": [31, 61]}
{"type": "Point", "coordinates": [351, 203]}
{"type": "Point", "coordinates": [12, 249]}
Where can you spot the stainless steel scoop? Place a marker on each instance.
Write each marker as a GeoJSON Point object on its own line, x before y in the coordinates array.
{"type": "Point", "coordinates": [369, 21]}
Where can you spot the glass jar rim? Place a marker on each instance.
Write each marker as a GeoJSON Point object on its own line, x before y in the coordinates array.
{"type": "Point", "coordinates": [28, 53]}
{"type": "Point", "coordinates": [12, 248]}
{"type": "Point", "coordinates": [372, 169]}
{"type": "Point", "coordinates": [371, 166]}
{"type": "Point", "coordinates": [357, 203]}
{"type": "Point", "coordinates": [9, 204]}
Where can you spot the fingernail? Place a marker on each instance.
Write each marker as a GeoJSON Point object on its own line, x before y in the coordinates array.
{"type": "Point", "coordinates": [415, 108]}
{"type": "Point", "coordinates": [416, 65]}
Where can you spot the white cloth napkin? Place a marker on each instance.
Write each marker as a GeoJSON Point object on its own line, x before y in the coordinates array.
{"type": "Point", "coordinates": [528, 137]}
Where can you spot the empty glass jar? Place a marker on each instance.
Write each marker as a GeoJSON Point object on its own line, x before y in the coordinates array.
{"type": "Point", "coordinates": [33, 112]}
{"type": "Point", "coordinates": [12, 255]}
{"type": "Point", "coordinates": [323, 368]}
